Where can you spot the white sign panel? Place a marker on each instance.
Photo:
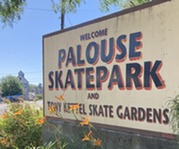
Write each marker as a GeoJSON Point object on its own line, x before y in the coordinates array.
{"type": "Point", "coordinates": [121, 70]}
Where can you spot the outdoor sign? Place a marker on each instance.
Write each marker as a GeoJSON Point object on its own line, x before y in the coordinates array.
{"type": "Point", "coordinates": [121, 69]}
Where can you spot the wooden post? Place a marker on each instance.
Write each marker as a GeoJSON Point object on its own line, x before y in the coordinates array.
{"type": "Point", "coordinates": [62, 15]}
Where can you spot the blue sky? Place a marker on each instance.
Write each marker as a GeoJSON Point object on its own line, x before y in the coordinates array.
{"type": "Point", "coordinates": [21, 46]}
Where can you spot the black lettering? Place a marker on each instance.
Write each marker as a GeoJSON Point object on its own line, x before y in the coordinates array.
{"type": "Point", "coordinates": [116, 78]}
{"type": "Point", "coordinates": [58, 80]}
{"type": "Point", "coordinates": [166, 116]}
{"type": "Point", "coordinates": [133, 113]}
{"type": "Point", "coordinates": [133, 72]}
{"type": "Point", "coordinates": [89, 78]}
{"type": "Point", "coordinates": [50, 76]}
{"type": "Point", "coordinates": [141, 114]}
{"type": "Point", "coordinates": [127, 113]}
{"type": "Point", "coordinates": [151, 73]}
{"type": "Point", "coordinates": [149, 115]}
{"type": "Point", "coordinates": [119, 114]}
{"type": "Point", "coordinates": [79, 73]}
{"type": "Point", "coordinates": [101, 76]}
{"type": "Point", "coordinates": [69, 80]}
{"type": "Point", "coordinates": [157, 115]}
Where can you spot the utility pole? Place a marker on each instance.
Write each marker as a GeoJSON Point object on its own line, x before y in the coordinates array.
{"type": "Point", "coordinates": [62, 15]}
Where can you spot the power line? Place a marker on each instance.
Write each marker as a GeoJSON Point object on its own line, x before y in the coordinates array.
{"type": "Point", "coordinates": [33, 72]}
{"type": "Point", "coordinates": [39, 9]}
{"type": "Point", "coordinates": [34, 79]}
{"type": "Point", "coordinates": [13, 73]}
{"type": "Point", "coordinates": [69, 20]}
{"type": "Point", "coordinates": [47, 10]}
{"type": "Point", "coordinates": [20, 58]}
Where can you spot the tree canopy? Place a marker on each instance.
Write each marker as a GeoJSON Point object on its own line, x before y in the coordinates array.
{"type": "Point", "coordinates": [11, 10]}
{"type": "Point", "coordinates": [132, 3]}
{"type": "Point", "coordinates": [10, 85]}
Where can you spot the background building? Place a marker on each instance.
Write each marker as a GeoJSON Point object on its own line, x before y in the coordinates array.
{"type": "Point", "coordinates": [25, 83]}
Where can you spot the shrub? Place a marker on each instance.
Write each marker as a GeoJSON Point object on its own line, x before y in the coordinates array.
{"type": "Point", "coordinates": [38, 97]}
{"type": "Point", "coordinates": [174, 114]}
{"type": "Point", "coordinates": [20, 126]}
{"type": "Point", "coordinates": [10, 85]}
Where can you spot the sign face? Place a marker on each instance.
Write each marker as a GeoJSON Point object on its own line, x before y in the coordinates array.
{"type": "Point", "coordinates": [121, 70]}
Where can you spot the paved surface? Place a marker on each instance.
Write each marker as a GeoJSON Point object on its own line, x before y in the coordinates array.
{"type": "Point", "coordinates": [4, 107]}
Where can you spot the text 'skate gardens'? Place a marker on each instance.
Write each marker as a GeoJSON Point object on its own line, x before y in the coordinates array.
{"type": "Point", "coordinates": [137, 114]}
{"type": "Point", "coordinates": [94, 65]}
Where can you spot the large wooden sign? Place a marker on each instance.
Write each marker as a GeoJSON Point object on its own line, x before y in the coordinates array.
{"type": "Point", "coordinates": [120, 69]}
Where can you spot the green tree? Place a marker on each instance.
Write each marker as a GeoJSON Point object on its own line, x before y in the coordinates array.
{"type": "Point", "coordinates": [132, 3]}
{"type": "Point", "coordinates": [33, 88]}
{"type": "Point", "coordinates": [71, 5]}
{"type": "Point", "coordinates": [11, 10]}
{"type": "Point", "coordinates": [10, 85]}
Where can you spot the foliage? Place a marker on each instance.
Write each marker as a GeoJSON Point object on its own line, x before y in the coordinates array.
{"type": "Point", "coordinates": [33, 88]}
{"type": "Point", "coordinates": [83, 134]}
{"type": "Point", "coordinates": [66, 6]}
{"type": "Point", "coordinates": [174, 114]}
{"type": "Point", "coordinates": [11, 10]}
{"type": "Point", "coordinates": [105, 4]}
{"type": "Point", "coordinates": [50, 145]}
{"type": "Point", "coordinates": [38, 97]}
{"type": "Point", "coordinates": [132, 3]}
{"type": "Point", "coordinates": [77, 137]}
{"type": "Point", "coordinates": [71, 5]}
{"type": "Point", "coordinates": [7, 101]}
{"type": "Point", "coordinates": [21, 126]}
{"type": "Point", "coordinates": [10, 85]}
